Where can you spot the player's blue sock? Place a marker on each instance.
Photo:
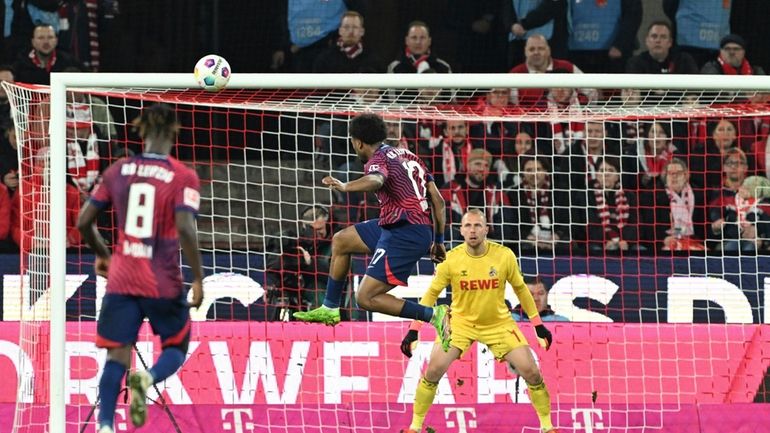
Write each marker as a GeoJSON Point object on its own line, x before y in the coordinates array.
{"type": "Point", "coordinates": [413, 310]}
{"type": "Point", "coordinates": [168, 363]}
{"type": "Point", "coordinates": [333, 292]}
{"type": "Point", "coordinates": [109, 386]}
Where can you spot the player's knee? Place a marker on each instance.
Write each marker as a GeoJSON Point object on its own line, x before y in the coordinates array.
{"type": "Point", "coordinates": [531, 375]}
{"type": "Point", "coordinates": [434, 374]}
{"type": "Point", "coordinates": [340, 241]}
{"type": "Point", "coordinates": [364, 300]}
{"type": "Point", "coordinates": [121, 355]}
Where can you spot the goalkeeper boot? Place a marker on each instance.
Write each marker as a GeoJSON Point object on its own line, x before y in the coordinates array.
{"type": "Point", "coordinates": [139, 383]}
{"type": "Point", "coordinates": [322, 314]}
{"type": "Point", "coordinates": [440, 321]}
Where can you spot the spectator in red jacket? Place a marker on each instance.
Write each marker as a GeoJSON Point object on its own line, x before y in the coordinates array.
{"type": "Point", "coordinates": [539, 61]}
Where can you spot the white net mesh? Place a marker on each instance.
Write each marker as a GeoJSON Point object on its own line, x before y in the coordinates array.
{"type": "Point", "coordinates": [620, 265]}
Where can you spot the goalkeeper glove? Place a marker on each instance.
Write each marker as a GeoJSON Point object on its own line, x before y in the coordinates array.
{"type": "Point", "coordinates": [544, 335]}
{"type": "Point", "coordinates": [407, 342]}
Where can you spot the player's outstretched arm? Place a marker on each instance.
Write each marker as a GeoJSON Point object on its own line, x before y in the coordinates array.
{"type": "Point", "coordinates": [368, 183]}
{"type": "Point", "coordinates": [188, 238]}
{"type": "Point", "coordinates": [438, 212]}
{"type": "Point", "coordinates": [93, 239]}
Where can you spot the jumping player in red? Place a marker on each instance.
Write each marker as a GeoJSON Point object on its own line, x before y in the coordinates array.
{"type": "Point", "coordinates": [156, 199]}
{"type": "Point", "coordinates": [402, 235]}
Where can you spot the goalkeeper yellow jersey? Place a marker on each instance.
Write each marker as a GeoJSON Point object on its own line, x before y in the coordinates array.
{"type": "Point", "coordinates": [478, 284]}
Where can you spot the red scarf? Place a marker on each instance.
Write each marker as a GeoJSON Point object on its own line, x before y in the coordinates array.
{"type": "Point", "coordinates": [450, 166]}
{"type": "Point", "coordinates": [591, 166]}
{"type": "Point", "coordinates": [539, 201]}
{"type": "Point", "coordinates": [682, 206]}
{"type": "Point", "coordinates": [728, 69]}
{"type": "Point", "coordinates": [36, 61]}
{"type": "Point", "coordinates": [653, 164]}
{"type": "Point", "coordinates": [415, 59]}
{"type": "Point", "coordinates": [458, 196]}
{"type": "Point", "coordinates": [618, 215]}
{"type": "Point", "coordinates": [656, 163]}
{"type": "Point", "coordinates": [352, 51]}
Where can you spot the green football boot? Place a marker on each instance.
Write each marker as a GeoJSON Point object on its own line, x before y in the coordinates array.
{"type": "Point", "coordinates": [325, 315]}
{"type": "Point", "coordinates": [440, 321]}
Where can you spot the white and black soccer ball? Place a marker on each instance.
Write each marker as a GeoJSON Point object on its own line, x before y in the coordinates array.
{"type": "Point", "coordinates": [212, 72]}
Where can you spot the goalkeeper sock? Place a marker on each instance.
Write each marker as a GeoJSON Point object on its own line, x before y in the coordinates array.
{"type": "Point", "coordinates": [538, 394]}
{"type": "Point", "coordinates": [109, 387]}
{"type": "Point", "coordinates": [168, 363]}
{"type": "Point", "coordinates": [333, 292]}
{"type": "Point", "coordinates": [415, 311]}
{"type": "Point", "coordinates": [423, 400]}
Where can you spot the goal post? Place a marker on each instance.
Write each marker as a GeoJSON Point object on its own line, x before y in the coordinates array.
{"type": "Point", "coordinates": [251, 92]}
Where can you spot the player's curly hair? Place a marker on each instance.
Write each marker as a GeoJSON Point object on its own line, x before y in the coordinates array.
{"type": "Point", "coordinates": [157, 120]}
{"type": "Point", "coordinates": [369, 128]}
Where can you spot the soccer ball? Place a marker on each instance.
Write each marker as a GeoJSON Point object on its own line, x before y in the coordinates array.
{"type": "Point", "coordinates": [212, 72]}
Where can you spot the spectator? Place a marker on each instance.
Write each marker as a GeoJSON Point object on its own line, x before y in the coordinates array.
{"type": "Point", "coordinates": [539, 61]}
{"type": "Point", "coordinates": [23, 229]}
{"type": "Point", "coordinates": [476, 190]}
{"type": "Point", "coordinates": [659, 57]}
{"type": "Point", "coordinates": [87, 157]}
{"type": "Point", "coordinates": [447, 156]}
{"type": "Point", "coordinates": [307, 28]}
{"type": "Point", "coordinates": [645, 159]}
{"type": "Point", "coordinates": [523, 145]}
{"type": "Point", "coordinates": [6, 75]}
{"type": "Point", "coordinates": [677, 216]}
{"type": "Point", "coordinates": [699, 25]}
{"type": "Point", "coordinates": [540, 215]}
{"type": "Point", "coordinates": [731, 59]}
{"type": "Point", "coordinates": [495, 136]}
{"type": "Point", "coordinates": [525, 19]}
{"type": "Point", "coordinates": [721, 200]}
{"type": "Point", "coordinates": [297, 262]}
{"type": "Point", "coordinates": [103, 122]}
{"type": "Point", "coordinates": [35, 67]}
{"type": "Point", "coordinates": [745, 222]}
{"type": "Point", "coordinates": [348, 54]}
{"type": "Point", "coordinates": [417, 55]}
{"type": "Point", "coordinates": [611, 212]}
{"type": "Point", "coordinates": [9, 157]}
{"type": "Point", "coordinates": [580, 160]}
{"type": "Point", "coordinates": [539, 290]}
{"type": "Point", "coordinates": [706, 157]}
{"type": "Point", "coordinates": [602, 34]}
{"type": "Point", "coordinates": [86, 20]}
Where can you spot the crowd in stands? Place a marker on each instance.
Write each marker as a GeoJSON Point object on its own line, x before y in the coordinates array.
{"type": "Point", "coordinates": [634, 186]}
{"type": "Point", "coordinates": [585, 187]}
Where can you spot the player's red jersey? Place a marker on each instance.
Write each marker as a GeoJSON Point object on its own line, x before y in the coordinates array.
{"type": "Point", "coordinates": [146, 191]}
{"type": "Point", "coordinates": [402, 197]}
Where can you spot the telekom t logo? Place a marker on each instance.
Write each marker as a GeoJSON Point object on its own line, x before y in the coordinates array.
{"type": "Point", "coordinates": [462, 423]}
{"type": "Point", "coordinates": [240, 421]}
{"type": "Point", "coordinates": [588, 419]}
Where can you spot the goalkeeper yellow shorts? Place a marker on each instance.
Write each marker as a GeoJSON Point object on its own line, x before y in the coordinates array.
{"type": "Point", "coordinates": [500, 338]}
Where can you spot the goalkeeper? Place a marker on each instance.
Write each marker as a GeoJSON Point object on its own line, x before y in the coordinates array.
{"type": "Point", "coordinates": [477, 271]}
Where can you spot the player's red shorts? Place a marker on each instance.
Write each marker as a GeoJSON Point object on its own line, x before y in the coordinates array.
{"type": "Point", "coordinates": [121, 317]}
{"type": "Point", "coordinates": [395, 248]}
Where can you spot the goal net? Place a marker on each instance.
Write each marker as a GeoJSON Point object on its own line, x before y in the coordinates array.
{"type": "Point", "coordinates": [644, 213]}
